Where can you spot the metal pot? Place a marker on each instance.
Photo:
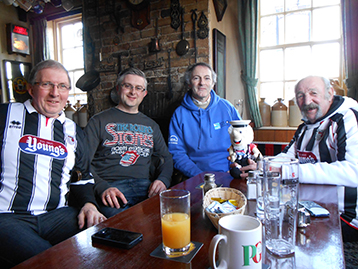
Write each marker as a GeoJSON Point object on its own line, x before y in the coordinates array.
{"type": "Point", "coordinates": [183, 45]}
{"type": "Point", "coordinates": [88, 81]}
{"type": "Point", "coordinates": [114, 95]}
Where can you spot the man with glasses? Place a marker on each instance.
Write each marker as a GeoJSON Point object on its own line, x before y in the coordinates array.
{"type": "Point", "coordinates": [122, 142]}
{"type": "Point", "coordinates": [39, 149]}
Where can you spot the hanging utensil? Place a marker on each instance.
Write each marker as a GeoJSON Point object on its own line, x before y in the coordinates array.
{"type": "Point", "coordinates": [183, 45]}
{"type": "Point", "coordinates": [113, 93]}
{"type": "Point", "coordinates": [154, 45]}
{"type": "Point", "coordinates": [90, 79]}
{"type": "Point", "coordinates": [169, 94]}
{"type": "Point", "coordinates": [203, 26]}
{"type": "Point", "coordinates": [194, 17]}
{"type": "Point", "coordinates": [175, 14]}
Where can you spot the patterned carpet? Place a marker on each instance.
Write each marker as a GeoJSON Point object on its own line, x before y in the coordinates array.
{"type": "Point", "coordinates": [351, 255]}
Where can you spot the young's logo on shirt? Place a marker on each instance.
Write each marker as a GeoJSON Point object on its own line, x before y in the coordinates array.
{"type": "Point", "coordinates": [35, 145]}
{"type": "Point", "coordinates": [130, 157]}
{"type": "Point", "coordinates": [173, 139]}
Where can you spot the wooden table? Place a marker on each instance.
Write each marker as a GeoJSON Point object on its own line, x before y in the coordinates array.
{"type": "Point", "coordinates": [318, 246]}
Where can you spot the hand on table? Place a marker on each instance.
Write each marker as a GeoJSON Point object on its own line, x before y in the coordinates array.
{"type": "Point", "coordinates": [156, 187]}
{"type": "Point", "coordinates": [110, 197]}
{"type": "Point", "coordinates": [245, 169]}
{"type": "Point", "coordinates": [89, 214]}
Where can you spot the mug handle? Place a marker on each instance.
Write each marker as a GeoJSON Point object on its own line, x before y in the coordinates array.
{"type": "Point", "coordinates": [212, 251]}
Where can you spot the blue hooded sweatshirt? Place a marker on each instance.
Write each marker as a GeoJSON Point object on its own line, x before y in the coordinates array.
{"type": "Point", "coordinates": [199, 138]}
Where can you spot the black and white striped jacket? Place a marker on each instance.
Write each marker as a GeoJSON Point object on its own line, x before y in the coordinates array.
{"type": "Point", "coordinates": [37, 156]}
{"type": "Point", "coordinates": [328, 153]}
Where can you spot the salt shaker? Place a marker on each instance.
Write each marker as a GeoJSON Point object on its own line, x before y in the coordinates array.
{"type": "Point", "coordinates": [251, 185]}
{"type": "Point", "coordinates": [209, 183]}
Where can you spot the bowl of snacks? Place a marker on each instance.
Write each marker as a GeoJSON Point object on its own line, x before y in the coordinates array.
{"type": "Point", "coordinates": [220, 202]}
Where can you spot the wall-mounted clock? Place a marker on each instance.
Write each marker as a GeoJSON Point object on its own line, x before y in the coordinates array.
{"type": "Point", "coordinates": [140, 12]}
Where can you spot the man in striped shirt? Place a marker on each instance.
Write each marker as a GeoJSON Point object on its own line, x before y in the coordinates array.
{"type": "Point", "coordinates": [39, 149]}
{"type": "Point", "coordinates": [326, 145]}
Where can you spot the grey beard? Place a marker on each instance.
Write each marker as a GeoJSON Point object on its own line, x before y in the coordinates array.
{"type": "Point", "coordinates": [306, 108]}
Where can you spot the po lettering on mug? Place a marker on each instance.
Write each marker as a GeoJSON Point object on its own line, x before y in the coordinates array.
{"type": "Point", "coordinates": [255, 251]}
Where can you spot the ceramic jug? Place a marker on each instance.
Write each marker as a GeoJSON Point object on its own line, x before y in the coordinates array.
{"type": "Point", "coordinates": [265, 111]}
{"type": "Point", "coordinates": [279, 114]}
{"type": "Point", "coordinates": [294, 114]}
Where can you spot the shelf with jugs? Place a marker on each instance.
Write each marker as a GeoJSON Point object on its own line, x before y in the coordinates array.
{"type": "Point", "coordinates": [279, 115]}
{"type": "Point", "coordinates": [78, 113]}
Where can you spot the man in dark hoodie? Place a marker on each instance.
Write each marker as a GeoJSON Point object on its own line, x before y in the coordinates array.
{"type": "Point", "coordinates": [198, 131]}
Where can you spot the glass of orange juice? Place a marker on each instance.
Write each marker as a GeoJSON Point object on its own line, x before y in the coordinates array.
{"type": "Point", "coordinates": [175, 218]}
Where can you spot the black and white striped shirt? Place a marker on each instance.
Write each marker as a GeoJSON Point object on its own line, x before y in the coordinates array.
{"type": "Point", "coordinates": [328, 154]}
{"type": "Point", "coordinates": [37, 156]}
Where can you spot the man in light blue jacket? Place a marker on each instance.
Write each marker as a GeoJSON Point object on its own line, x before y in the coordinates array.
{"type": "Point", "coordinates": [198, 130]}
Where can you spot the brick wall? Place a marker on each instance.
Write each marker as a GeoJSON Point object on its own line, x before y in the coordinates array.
{"type": "Point", "coordinates": [133, 47]}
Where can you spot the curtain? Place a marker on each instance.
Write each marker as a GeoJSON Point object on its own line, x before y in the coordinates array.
{"type": "Point", "coordinates": [41, 51]}
{"type": "Point", "coordinates": [248, 13]}
{"type": "Point", "coordinates": [350, 37]}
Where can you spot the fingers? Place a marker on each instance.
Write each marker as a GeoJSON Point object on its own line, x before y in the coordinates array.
{"type": "Point", "coordinates": [233, 165]}
{"type": "Point", "coordinates": [81, 219]}
{"type": "Point", "coordinates": [244, 175]}
{"type": "Point", "coordinates": [245, 169]}
{"type": "Point", "coordinates": [94, 218]}
{"type": "Point", "coordinates": [111, 197]}
{"type": "Point", "coordinates": [156, 187]}
{"type": "Point", "coordinates": [90, 215]}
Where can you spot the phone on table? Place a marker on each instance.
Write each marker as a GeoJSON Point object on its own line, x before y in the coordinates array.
{"type": "Point", "coordinates": [117, 238]}
{"type": "Point", "coordinates": [314, 209]}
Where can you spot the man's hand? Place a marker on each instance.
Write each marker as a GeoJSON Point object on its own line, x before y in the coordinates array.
{"type": "Point", "coordinates": [245, 169]}
{"type": "Point", "coordinates": [156, 187]}
{"type": "Point", "coordinates": [89, 214]}
{"type": "Point", "coordinates": [109, 197]}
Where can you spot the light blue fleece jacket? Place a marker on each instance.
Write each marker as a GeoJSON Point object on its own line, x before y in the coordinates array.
{"type": "Point", "coordinates": [199, 138]}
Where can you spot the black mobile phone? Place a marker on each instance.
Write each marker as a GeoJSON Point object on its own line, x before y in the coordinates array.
{"type": "Point", "coordinates": [314, 209]}
{"type": "Point", "coordinates": [117, 238]}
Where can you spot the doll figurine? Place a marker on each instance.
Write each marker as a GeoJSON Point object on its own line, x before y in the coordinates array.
{"type": "Point", "coordinates": [242, 148]}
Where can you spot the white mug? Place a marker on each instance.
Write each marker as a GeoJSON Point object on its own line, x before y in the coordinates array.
{"type": "Point", "coordinates": [241, 245]}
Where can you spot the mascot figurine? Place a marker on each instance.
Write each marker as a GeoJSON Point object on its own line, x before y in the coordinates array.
{"type": "Point", "coordinates": [242, 148]}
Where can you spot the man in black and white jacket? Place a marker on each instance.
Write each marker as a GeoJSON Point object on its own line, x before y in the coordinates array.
{"type": "Point", "coordinates": [39, 147]}
{"type": "Point", "coordinates": [326, 145]}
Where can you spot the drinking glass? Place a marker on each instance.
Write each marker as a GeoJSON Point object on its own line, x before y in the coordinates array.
{"type": "Point", "coordinates": [175, 220]}
{"type": "Point", "coordinates": [281, 203]}
{"type": "Point", "coordinates": [260, 196]}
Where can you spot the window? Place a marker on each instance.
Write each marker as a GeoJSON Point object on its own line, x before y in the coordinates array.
{"type": "Point", "coordinates": [66, 46]}
{"type": "Point", "coordinates": [297, 38]}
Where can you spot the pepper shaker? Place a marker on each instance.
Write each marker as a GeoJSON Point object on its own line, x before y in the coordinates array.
{"type": "Point", "coordinates": [209, 183]}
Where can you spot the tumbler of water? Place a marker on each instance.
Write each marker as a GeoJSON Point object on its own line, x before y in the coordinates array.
{"type": "Point", "coordinates": [260, 196]}
{"type": "Point", "coordinates": [280, 204]}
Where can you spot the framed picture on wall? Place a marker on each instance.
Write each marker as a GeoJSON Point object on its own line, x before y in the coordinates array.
{"type": "Point", "coordinates": [16, 75]}
{"type": "Point", "coordinates": [219, 60]}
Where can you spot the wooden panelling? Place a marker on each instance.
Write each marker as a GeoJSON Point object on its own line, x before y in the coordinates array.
{"type": "Point", "coordinates": [273, 135]}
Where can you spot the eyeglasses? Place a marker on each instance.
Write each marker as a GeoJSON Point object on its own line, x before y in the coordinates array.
{"type": "Point", "coordinates": [128, 87]}
{"type": "Point", "coordinates": [62, 87]}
